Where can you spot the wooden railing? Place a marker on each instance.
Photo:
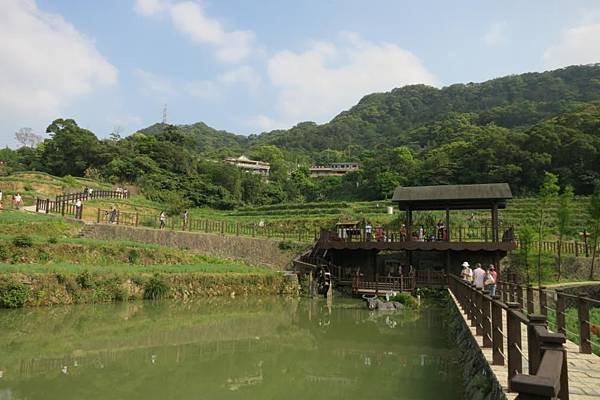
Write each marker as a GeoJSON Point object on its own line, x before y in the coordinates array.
{"type": "Point", "coordinates": [95, 194]}
{"type": "Point", "coordinates": [382, 285]}
{"type": "Point", "coordinates": [204, 225]}
{"type": "Point", "coordinates": [546, 357]}
{"type": "Point", "coordinates": [555, 304]}
{"type": "Point", "coordinates": [63, 208]}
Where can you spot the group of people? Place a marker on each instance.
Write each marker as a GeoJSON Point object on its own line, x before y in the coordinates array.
{"type": "Point", "coordinates": [16, 200]}
{"type": "Point", "coordinates": [481, 278]}
{"type": "Point", "coordinates": [421, 234]}
{"type": "Point", "coordinates": [162, 218]}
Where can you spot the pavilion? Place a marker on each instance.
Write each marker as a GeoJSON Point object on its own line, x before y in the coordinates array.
{"type": "Point", "coordinates": [483, 240]}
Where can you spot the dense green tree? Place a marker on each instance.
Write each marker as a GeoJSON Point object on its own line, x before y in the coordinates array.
{"type": "Point", "coordinates": [594, 213]}
{"type": "Point", "coordinates": [547, 194]}
{"type": "Point", "coordinates": [564, 216]}
{"type": "Point", "coordinates": [70, 149]}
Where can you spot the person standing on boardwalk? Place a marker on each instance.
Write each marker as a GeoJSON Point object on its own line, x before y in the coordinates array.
{"type": "Point", "coordinates": [162, 217]}
{"type": "Point", "coordinates": [467, 272]}
{"type": "Point", "coordinates": [490, 280]}
{"type": "Point", "coordinates": [479, 276]}
{"type": "Point", "coordinates": [368, 231]}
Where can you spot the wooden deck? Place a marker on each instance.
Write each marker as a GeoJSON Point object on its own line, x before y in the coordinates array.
{"type": "Point", "coordinates": [408, 283]}
{"type": "Point", "coordinates": [416, 245]}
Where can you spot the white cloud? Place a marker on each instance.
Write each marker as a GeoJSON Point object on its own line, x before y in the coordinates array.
{"type": "Point", "coordinates": [164, 87]}
{"type": "Point", "coordinates": [578, 45]}
{"type": "Point", "coordinates": [44, 64]}
{"type": "Point", "coordinates": [151, 83]}
{"type": "Point", "coordinates": [496, 35]}
{"type": "Point", "coordinates": [149, 7]}
{"type": "Point", "coordinates": [189, 18]}
{"type": "Point", "coordinates": [244, 75]}
{"type": "Point", "coordinates": [327, 78]}
{"type": "Point", "coordinates": [265, 123]}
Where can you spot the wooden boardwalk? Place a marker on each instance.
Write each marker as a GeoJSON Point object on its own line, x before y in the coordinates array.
{"type": "Point", "coordinates": [584, 369]}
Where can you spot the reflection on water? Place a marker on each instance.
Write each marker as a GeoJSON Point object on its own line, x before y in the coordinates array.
{"type": "Point", "coordinates": [226, 349]}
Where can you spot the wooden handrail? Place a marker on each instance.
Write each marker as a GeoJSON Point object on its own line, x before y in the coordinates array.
{"type": "Point", "coordinates": [548, 371]}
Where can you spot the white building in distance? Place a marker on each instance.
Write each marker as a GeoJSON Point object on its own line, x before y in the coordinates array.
{"type": "Point", "coordinates": [333, 169]}
{"type": "Point", "coordinates": [246, 164]}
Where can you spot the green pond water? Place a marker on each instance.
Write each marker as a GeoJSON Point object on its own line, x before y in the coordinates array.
{"type": "Point", "coordinates": [269, 348]}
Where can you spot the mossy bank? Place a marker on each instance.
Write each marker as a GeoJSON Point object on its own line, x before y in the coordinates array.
{"type": "Point", "coordinates": [45, 289]}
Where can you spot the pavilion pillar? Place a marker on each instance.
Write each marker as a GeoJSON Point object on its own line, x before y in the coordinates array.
{"type": "Point", "coordinates": [448, 223]}
{"type": "Point", "coordinates": [409, 222]}
{"type": "Point", "coordinates": [494, 222]}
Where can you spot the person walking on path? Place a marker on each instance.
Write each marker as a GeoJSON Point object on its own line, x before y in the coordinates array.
{"type": "Point", "coordinates": [78, 209]}
{"type": "Point", "coordinates": [162, 218]}
{"type": "Point", "coordinates": [479, 276]}
{"type": "Point", "coordinates": [185, 219]}
{"type": "Point", "coordinates": [467, 272]}
{"type": "Point", "coordinates": [18, 200]}
{"type": "Point", "coordinates": [490, 280]}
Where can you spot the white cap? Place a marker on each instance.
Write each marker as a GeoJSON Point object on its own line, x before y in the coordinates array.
{"type": "Point", "coordinates": [465, 264]}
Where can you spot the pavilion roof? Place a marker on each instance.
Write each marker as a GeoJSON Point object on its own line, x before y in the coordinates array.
{"type": "Point", "coordinates": [455, 197]}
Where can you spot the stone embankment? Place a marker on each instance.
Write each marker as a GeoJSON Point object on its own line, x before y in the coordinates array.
{"type": "Point", "coordinates": [254, 251]}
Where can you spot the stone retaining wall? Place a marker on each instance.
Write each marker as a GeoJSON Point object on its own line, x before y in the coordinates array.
{"type": "Point", "coordinates": [480, 382]}
{"type": "Point", "coordinates": [263, 252]}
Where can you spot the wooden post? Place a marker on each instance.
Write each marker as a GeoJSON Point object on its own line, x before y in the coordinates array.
{"type": "Point", "coordinates": [519, 294]}
{"type": "Point", "coordinates": [47, 206]}
{"type": "Point", "coordinates": [543, 295]}
{"type": "Point", "coordinates": [479, 311]}
{"type": "Point", "coordinates": [513, 342]}
{"type": "Point", "coordinates": [534, 353]}
{"type": "Point", "coordinates": [530, 305]}
{"type": "Point", "coordinates": [136, 219]}
{"type": "Point", "coordinates": [486, 319]}
{"type": "Point", "coordinates": [237, 229]}
{"type": "Point", "coordinates": [62, 208]}
{"type": "Point", "coordinates": [497, 339]}
{"type": "Point", "coordinates": [560, 312]}
{"type": "Point", "coordinates": [585, 345]}
{"type": "Point", "coordinates": [98, 217]}
{"type": "Point", "coordinates": [494, 222]}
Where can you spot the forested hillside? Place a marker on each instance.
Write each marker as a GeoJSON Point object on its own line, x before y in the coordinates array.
{"type": "Point", "coordinates": [509, 129]}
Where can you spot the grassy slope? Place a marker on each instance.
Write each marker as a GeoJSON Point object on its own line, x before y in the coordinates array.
{"type": "Point", "coordinates": [55, 247]}
{"type": "Point", "coordinates": [286, 216]}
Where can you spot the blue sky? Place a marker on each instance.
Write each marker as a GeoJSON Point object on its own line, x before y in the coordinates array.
{"type": "Point", "coordinates": [249, 66]}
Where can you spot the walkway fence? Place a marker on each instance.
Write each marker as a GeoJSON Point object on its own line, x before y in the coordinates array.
{"type": "Point", "coordinates": [95, 194]}
{"type": "Point", "coordinates": [464, 234]}
{"type": "Point", "coordinates": [568, 314]}
{"type": "Point", "coordinates": [205, 225]}
{"type": "Point", "coordinates": [546, 355]}
{"type": "Point", "coordinates": [54, 207]}
{"type": "Point", "coordinates": [65, 204]}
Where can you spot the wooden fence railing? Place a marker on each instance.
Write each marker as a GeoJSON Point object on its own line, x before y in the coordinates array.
{"type": "Point", "coordinates": [546, 358]}
{"type": "Point", "coordinates": [55, 207]}
{"type": "Point", "coordinates": [94, 194]}
{"type": "Point", "coordinates": [204, 225]}
{"type": "Point", "coordinates": [557, 305]}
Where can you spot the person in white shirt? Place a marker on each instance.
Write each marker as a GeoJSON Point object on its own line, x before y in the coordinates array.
{"type": "Point", "coordinates": [479, 276]}
{"type": "Point", "coordinates": [467, 272]}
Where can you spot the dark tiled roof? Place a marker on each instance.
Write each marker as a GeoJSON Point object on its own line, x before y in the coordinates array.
{"type": "Point", "coordinates": [486, 191]}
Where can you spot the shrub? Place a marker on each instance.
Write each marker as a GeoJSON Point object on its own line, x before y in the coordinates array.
{"type": "Point", "coordinates": [3, 252]}
{"type": "Point", "coordinates": [406, 299]}
{"type": "Point", "coordinates": [85, 280]}
{"type": "Point", "coordinates": [22, 241]}
{"type": "Point", "coordinates": [155, 288]}
{"type": "Point", "coordinates": [52, 240]}
{"type": "Point", "coordinates": [13, 294]}
{"type": "Point", "coordinates": [133, 256]}
{"type": "Point", "coordinates": [101, 295]}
